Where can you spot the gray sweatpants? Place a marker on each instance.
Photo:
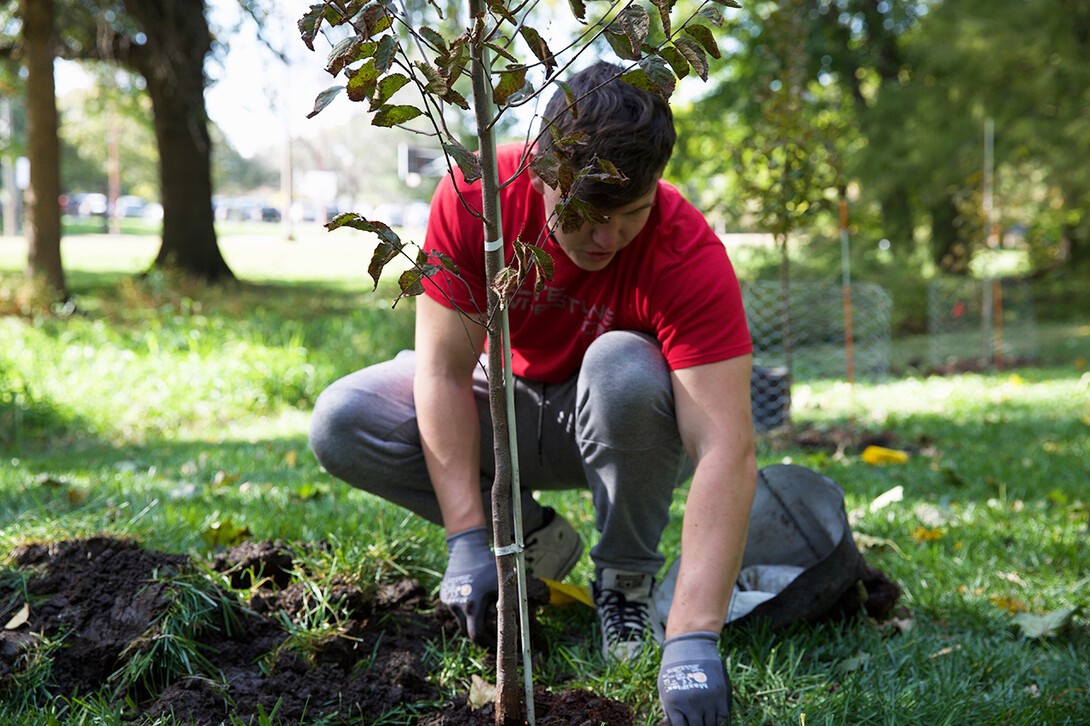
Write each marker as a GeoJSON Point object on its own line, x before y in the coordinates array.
{"type": "Point", "coordinates": [610, 428]}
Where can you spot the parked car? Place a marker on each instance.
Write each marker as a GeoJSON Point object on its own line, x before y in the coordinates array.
{"type": "Point", "coordinates": [93, 204]}
{"type": "Point", "coordinates": [130, 205]}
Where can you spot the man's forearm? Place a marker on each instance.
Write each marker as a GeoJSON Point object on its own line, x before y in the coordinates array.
{"type": "Point", "coordinates": [450, 435]}
{"type": "Point", "coordinates": [713, 538]}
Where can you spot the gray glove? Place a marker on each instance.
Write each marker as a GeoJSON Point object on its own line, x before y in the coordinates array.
{"type": "Point", "coordinates": [693, 683]}
{"type": "Point", "coordinates": [470, 585]}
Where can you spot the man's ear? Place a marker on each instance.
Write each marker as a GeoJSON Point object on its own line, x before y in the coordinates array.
{"type": "Point", "coordinates": [536, 182]}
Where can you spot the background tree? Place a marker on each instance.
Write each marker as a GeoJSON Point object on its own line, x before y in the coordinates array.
{"type": "Point", "coordinates": [43, 147]}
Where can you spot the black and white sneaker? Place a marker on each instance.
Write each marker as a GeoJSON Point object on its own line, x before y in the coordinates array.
{"type": "Point", "coordinates": [627, 613]}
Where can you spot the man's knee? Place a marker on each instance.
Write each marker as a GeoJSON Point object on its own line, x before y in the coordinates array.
{"type": "Point", "coordinates": [626, 365]}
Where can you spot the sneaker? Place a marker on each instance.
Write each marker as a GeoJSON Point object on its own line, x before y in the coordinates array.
{"type": "Point", "coordinates": [627, 613]}
{"type": "Point", "coordinates": [553, 549]}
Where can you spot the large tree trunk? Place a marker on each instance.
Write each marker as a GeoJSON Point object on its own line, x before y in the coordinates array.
{"type": "Point", "coordinates": [43, 148]}
{"type": "Point", "coordinates": [178, 40]}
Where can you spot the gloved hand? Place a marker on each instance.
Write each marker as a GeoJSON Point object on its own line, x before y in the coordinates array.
{"type": "Point", "coordinates": [470, 585]}
{"type": "Point", "coordinates": [693, 683]}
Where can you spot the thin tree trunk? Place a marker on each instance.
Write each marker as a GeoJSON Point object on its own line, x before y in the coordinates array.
{"type": "Point", "coordinates": [508, 702]}
{"type": "Point", "coordinates": [43, 149]}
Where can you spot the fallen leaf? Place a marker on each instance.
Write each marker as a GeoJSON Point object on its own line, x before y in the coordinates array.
{"type": "Point", "coordinates": [19, 618]}
{"type": "Point", "coordinates": [223, 533]}
{"type": "Point", "coordinates": [75, 497]}
{"type": "Point", "coordinates": [901, 625]}
{"type": "Point", "coordinates": [481, 692]}
{"type": "Point", "coordinates": [869, 542]}
{"type": "Point", "coordinates": [1044, 626]}
{"type": "Point", "coordinates": [223, 479]}
{"type": "Point", "coordinates": [1011, 577]}
{"type": "Point", "coordinates": [291, 459]}
{"type": "Point", "coordinates": [923, 534]}
{"type": "Point", "coordinates": [857, 662]}
{"type": "Point", "coordinates": [896, 494]}
{"type": "Point", "coordinates": [1009, 604]}
{"type": "Point", "coordinates": [882, 455]}
{"type": "Point", "coordinates": [47, 481]}
{"type": "Point", "coordinates": [944, 651]}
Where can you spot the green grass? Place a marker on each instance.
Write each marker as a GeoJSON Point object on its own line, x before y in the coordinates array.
{"type": "Point", "coordinates": [178, 414]}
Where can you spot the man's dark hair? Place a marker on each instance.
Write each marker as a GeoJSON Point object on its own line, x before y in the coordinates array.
{"type": "Point", "coordinates": [625, 125]}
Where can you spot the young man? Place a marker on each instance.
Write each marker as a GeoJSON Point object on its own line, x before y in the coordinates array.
{"type": "Point", "coordinates": [632, 371]}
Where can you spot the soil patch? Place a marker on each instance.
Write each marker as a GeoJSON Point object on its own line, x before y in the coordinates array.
{"type": "Point", "coordinates": [113, 606]}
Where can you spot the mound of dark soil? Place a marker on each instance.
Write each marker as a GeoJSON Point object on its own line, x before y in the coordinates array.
{"type": "Point", "coordinates": [105, 600]}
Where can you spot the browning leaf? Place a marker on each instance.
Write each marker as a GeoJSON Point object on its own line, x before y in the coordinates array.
{"type": "Point", "coordinates": [324, 99]}
{"type": "Point", "coordinates": [375, 20]}
{"type": "Point", "coordinates": [665, 6]}
{"type": "Point", "coordinates": [712, 14]}
{"type": "Point", "coordinates": [466, 160]}
{"type": "Point", "coordinates": [410, 284]}
{"type": "Point", "coordinates": [539, 48]}
{"type": "Point", "coordinates": [505, 283]}
{"type": "Point", "coordinates": [362, 81]}
{"type": "Point", "coordinates": [694, 56]}
{"type": "Point", "coordinates": [383, 254]}
{"type": "Point", "coordinates": [636, 24]}
{"type": "Point", "coordinates": [676, 60]}
{"type": "Point", "coordinates": [704, 36]}
{"type": "Point", "coordinates": [511, 81]}
{"type": "Point", "coordinates": [578, 9]}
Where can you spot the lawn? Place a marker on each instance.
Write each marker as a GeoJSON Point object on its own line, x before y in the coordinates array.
{"type": "Point", "coordinates": [177, 414]}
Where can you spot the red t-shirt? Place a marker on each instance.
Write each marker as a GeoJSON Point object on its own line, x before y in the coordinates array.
{"type": "Point", "coordinates": [673, 280]}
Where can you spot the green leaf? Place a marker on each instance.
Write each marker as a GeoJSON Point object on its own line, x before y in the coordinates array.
{"type": "Point", "coordinates": [435, 83]}
{"type": "Point", "coordinates": [694, 55]}
{"type": "Point", "coordinates": [324, 99]}
{"type": "Point", "coordinates": [466, 160]}
{"type": "Point", "coordinates": [1044, 626]}
{"type": "Point", "coordinates": [387, 87]}
{"type": "Point", "coordinates": [511, 81]}
{"type": "Point", "coordinates": [704, 35]}
{"type": "Point", "coordinates": [448, 264]}
{"type": "Point", "coordinates": [676, 60]}
{"type": "Point", "coordinates": [434, 39]}
{"type": "Point", "coordinates": [653, 75]}
{"type": "Point", "coordinates": [502, 52]}
{"type": "Point", "coordinates": [577, 212]}
{"type": "Point", "coordinates": [543, 261]}
{"type": "Point", "coordinates": [539, 48]}
{"type": "Point", "coordinates": [729, 3]}
{"type": "Point", "coordinates": [393, 115]}
{"type": "Point", "coordinates": [384, 54]}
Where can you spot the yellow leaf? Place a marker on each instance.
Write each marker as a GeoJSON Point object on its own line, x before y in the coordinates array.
{"type": "Point", "coordinates": [222, 478]}
{"type": "Point", "coordinates": [564, 594]}
{"type": "Point", "coordinates": [1009, 604]}
{"type": "Point", "coordinates": [1015, 379]}
{"type": "Point", "coordinates": [923, 534]}
{"type": "Point", "coordinates": [882, 455]}
{"type": "Point", "coordinates": [19, 618]}
{"type": "Point", "coordinates": [291, 459]}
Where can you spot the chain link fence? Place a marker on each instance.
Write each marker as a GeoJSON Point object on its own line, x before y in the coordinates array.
{"type": "Point", "coordinates": [980, 322]}
{"type": "Point", "coordinates": [815, 329]}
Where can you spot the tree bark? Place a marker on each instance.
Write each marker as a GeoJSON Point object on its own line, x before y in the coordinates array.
{"type": "Point", "coordinates": [178, 40]}
{"type": "Point", "coordinates": [43, 148]}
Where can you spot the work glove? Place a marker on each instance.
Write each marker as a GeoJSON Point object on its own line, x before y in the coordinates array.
{"type": "Point", "coordinates": [693, 684]}
{"type": "Point", "coordinates": [470, 585]}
